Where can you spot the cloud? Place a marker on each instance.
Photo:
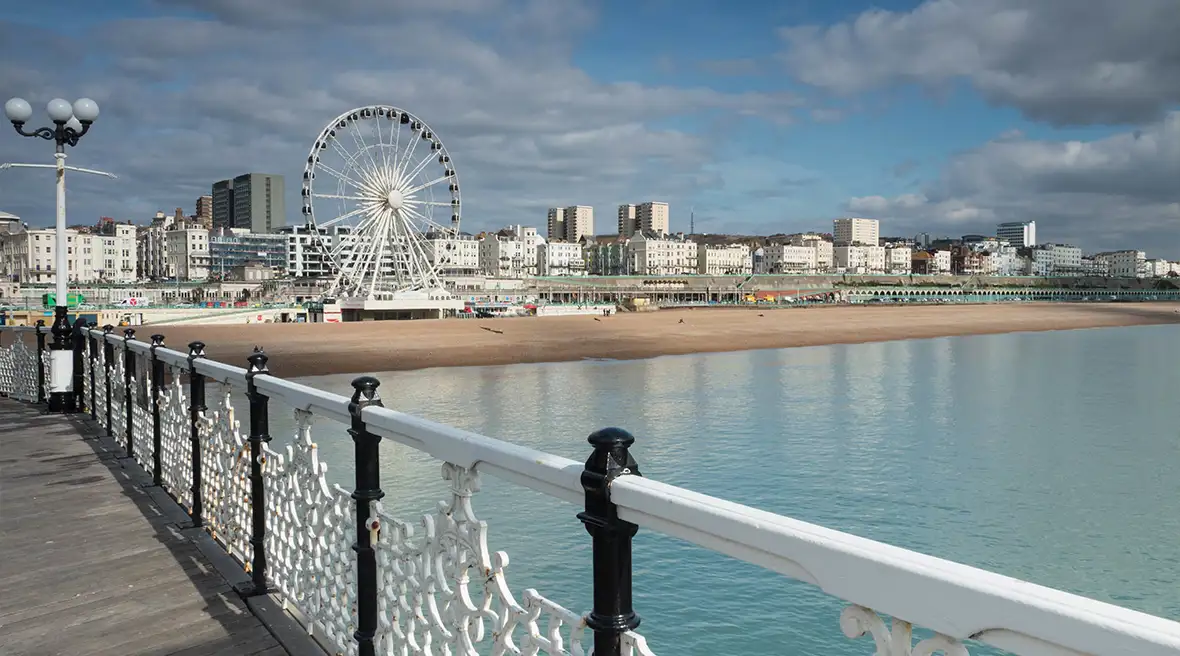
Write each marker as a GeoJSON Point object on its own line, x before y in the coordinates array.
{"type": "Point", "coordinates": [1115, 192]}
{"type": "Point", "coordinates": [739, 66]}
{"type": "Point", "coordinates": [228, 86]}
{"type": "Point", "coordinates": [1060, 61]}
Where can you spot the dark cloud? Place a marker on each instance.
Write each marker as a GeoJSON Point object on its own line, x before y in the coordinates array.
{"type": "Point", "coordinates": [1059, 61]}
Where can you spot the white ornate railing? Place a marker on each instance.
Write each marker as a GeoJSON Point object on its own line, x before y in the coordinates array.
{"type": "Point", "coordinates": [435, 585]}
{"type": "Point", "coordinates": [20, 363]}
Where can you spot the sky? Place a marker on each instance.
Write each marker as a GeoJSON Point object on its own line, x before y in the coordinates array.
{"type": "Point", "coordinates": [943, 116]}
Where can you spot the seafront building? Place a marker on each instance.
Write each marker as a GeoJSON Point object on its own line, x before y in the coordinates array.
{"type": "Point", "coordinates": [251, 201]}
{"type": "Point", "coordinates": [105, 253]}
{"type": "Point", "coordinates": [856, 232]}
{"type": "Point", "coordinates": [1021, 234]}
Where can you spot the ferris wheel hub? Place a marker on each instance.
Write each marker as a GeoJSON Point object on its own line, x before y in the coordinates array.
{"type": "Point", "coordinates": [394, 199]}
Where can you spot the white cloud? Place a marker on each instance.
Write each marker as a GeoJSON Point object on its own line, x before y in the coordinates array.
{"type": "Point", "coordinates": [187, 101]}
{"type": "Point", "coordinates": [1116, 192]}
{"type": "Point", "coordinates": [1062, 61]}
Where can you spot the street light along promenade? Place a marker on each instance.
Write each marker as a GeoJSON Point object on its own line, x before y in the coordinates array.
{"type": "Point", "coordinates": [70, 123]}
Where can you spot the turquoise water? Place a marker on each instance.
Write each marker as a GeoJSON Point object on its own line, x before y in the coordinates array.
{"type": "Point", "coordinates": [1046, 456]}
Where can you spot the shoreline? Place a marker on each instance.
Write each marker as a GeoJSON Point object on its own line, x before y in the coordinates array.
{"type": "Point", "coordinates": [298, 350]}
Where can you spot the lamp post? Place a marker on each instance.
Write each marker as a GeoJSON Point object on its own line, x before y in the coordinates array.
{"type": "Point", "coordinates": [70, 122]}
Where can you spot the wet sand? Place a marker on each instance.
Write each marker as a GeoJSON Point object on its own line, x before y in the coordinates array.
{"type": "Point", "coordinates": [316, 349]}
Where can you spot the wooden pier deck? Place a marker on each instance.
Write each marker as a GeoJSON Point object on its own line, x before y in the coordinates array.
{"type": "Point", "coordinates": [93, 562]}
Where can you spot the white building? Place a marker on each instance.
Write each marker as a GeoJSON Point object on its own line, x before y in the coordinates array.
{"type": "Point", "coordinates": [1125, 264]}
{"type": "Point", "coordinates": [579, 222]}
{"type": "Point", "coordinates": [1157, 268]}
{"type": "Point", "coordinates": [453, 256]}
{"type": "Point", "coordinates": [28, 256]}
{"type": "Point", "coordinates": [899, 260]}
{"type": "Point", "coordinates": [560, 258]}
{"type": "Point", "coordinates": [658, 255]}
{"type": "Point", "coordinates": [730, 259]}
{"type": "Point", "coordinates": [188, 254]}
{"type": "Point", "coordinates": [859, 259]}
{"type": "Point", "coordinates": [1018, 233]}
{"type": "Point", "coordinates": [788, 258]}
{"type": "Point", "coordinates": [856, 232]}
{"type": "Point", "coordinates": [1054, 259]}
{"type": "Point", "coordinates": [510, 253]}
{"type": "Point", "coordinates": [649, 218]}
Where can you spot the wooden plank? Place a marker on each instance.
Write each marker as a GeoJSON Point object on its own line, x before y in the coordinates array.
{"type": "Point", "coordinates": [91, 564]}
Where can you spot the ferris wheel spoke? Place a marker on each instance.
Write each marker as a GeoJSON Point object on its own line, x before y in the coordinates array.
{"type": "Point", "coordinates": [415, 190]}
{"type": "Point", "coordinates": [339, 197]}
{"type": "Point", "coordinates": [381, 143]}
{"type": "Point", "coordinates": [409, 156]}
{"type": "Point", "coordinates": [346, 179]}
{"type": "Point", "coordinates": [362, 146]}
{"type": "Point", "coordinates": [348, 215]}
{"type": "Point", "coordinates": [419, 167]}
{"type": "Point", "coordinates": [427, 203]}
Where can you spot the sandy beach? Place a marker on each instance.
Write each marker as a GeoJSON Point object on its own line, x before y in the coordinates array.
{"type": "Point", "coordinates": [314, 349]}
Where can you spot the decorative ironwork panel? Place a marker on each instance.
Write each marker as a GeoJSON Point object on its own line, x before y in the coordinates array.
{"type": "Point", "coordinates": [7, 370]}
{"type": "Point", "coordinates": [24, 371]}
{"type": "Point", "coordinates": [100, 383]}
{"type": "Point", "coordinates": [86, 364]}
{"type": "Point", "coordinates": [428, 603]}
{"type": "Point", "coordinates": [225, 479]}
{"type": "Point", "coordinates": [176, 468]}
{"type": "Point", "coordinates": [897, 639]}
{"type": "Point", "coordinates": [141, 425]}
{"type": "Point", "coordinates": [48, 367]}
{"type": "Point", "coordinates": [118, 397]}
{"type": "Point", "coordinates": [309, 539]}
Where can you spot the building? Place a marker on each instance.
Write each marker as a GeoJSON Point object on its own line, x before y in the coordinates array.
{"type": "Point", "coordinates": [579, 222]}
{"type": "Point", "coordinates": [899, 260]}
{"type": "Point", "coordinates": [1021, 234]}
{"type": "Point", "coordinates": [856, 232]}
{"type": "Point", "coordinates": [788, 258]}
{"type": "Point", "coordinates": [859, 259]}
{"type": "Point", "coordinates": [1125, 264]}
{"type": "Point", "coordinates": [650, 218]}
{"type": "Point", "coordinates": [230, 250]}
{"type": "Point", "coordinates": [221, 204]}
{"type": "Point", "coordinates": [510, 253]}
{"type": "Point", "coordinates": [1054, 260]}
{"type": "Point", "coordinates": [730, 259]}
{"type": "Point", "coordinates": [188, 254]}
{"type": "Point", "coordinates": [204, 215]}
{"type": "Point", "coordinates": [251, 201]}
{"type": "Point", "coordinates": [627, 226]}
{"type": "Point", "coordinates": [28, 255]}
{"type": "Point", "coordinates": [307, 252]}
{"type": "Point", "coordinates": [607, 257]}
{"type": "Point", "coordinates": [661, 255]}
{"type": "Point", "coordinates": [560, 258]}
{"type": "Point", "coordinates": [556, 224]}
{"type": "Point", "coordinates": [453, 255]}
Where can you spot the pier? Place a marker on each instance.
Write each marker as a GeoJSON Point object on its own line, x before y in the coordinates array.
{"type": "Point", "coordinates": [166, 481]}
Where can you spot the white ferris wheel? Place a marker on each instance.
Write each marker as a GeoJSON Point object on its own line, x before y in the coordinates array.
{"type": "Point", "coordinates": [377, 182]}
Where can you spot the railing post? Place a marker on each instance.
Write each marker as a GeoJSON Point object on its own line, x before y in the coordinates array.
{"type": "Point", "coordinates": [196, 383]}
{"type": "Point", "coordinates": [157, 387]}
{"type": "Point", "coordinates": [259, 435]}
{"type": "Point", "coordinates": [128, 402]}
{"type": "Point", "coordinates": [79, 339]}
{"type": "Point", "coordinates": [368, 490]}
{"type": "Point", "coordinates": [108, 357]}
{"type": "Point", "coordinates": [612, 614]}
{"type": "Point", "coordinates": [40, 361]}
{"type": "Point", "coordinates": [93, 355]}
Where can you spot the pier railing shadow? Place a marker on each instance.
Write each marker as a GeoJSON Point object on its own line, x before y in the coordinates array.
{"type": "Point", "coordinates": [362, 581]}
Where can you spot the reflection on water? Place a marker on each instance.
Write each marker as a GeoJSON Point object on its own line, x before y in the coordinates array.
{"type": "Point", "coordinates": [1048, 456]}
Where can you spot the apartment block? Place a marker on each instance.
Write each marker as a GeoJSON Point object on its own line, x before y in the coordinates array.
{"type": "Point", "coordinates": [1021, 234]}
{"type": "Point", "coordinates": [579, 222]}
{"type": "Point", "coordinates": [856, 232]}
{"type": "Point", "coordinates": [627, 225]}
{"type": "Point", "coordinates": [657, 255]}
{"type": "Point", "coordinates": [29, 255]}
{"type": "Point", "coordinates": [859, 259]}
{"type": "Point", "coordinates": [649, 218]}
{"type": "Point", "coordinates": [251, 201]}
{"type": "Point", "coordinates": [730, 259]}
{"type": "Point", "coordinates": [556, 224]}
{"type": "Point", "coordinates": [204, 215]}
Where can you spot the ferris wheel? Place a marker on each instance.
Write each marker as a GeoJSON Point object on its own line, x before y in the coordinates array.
{"type": "Point", "coordinates": [376, 183]}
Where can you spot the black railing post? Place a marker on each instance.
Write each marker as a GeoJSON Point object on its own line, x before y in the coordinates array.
{"type": "Point", "coordinates": [368, 490]}
{"type": "Point", "coordinates": [108, 359]}
{"type": "Point", "coordinates": [196, 383]}
{"type": "Point", "coordinates": [93, 355]}
{"type": "Point", "coordinates": [259, 435]}
{"type": "Point", "coordinates": [128, 402]}
{"type": "Point", "coordinates": [41, 373]}
{"type": "Point", "coordinates": [79, 344]}
{"type": "Point", "coordinates": [157, 387]}
{"type": "Point", "coordinates": [612, 614]}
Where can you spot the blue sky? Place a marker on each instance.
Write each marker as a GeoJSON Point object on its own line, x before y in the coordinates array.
{"type": "Point", "coordinates": [937, 116]}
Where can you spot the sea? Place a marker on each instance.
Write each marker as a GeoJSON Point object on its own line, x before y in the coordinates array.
{"type": "Point", "coordinates": [1049, 456]}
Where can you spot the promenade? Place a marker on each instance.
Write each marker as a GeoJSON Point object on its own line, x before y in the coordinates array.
{"type": "Point", "coordinates": [93, 562]}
